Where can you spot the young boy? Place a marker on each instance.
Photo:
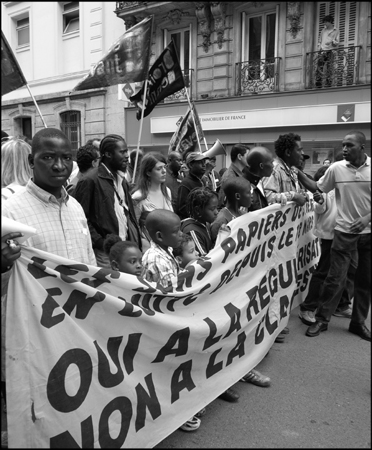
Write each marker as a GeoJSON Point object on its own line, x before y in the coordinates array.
{"type": "Point", "coordinates": [238, 193]}
{"type": "Point", "coordinates": [186, 252]}
{"type": "Point", "coordinates": [159, 264]}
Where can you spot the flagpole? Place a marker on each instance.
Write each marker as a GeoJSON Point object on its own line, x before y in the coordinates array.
{"type": "Point", "coordinates": [140, 129]}
{"type": "Point", "coordinates": [193, 118]}
{"type": "Point", "coordinates": [37, 107]}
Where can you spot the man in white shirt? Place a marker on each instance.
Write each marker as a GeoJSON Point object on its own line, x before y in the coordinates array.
{"type": "Point", "coordinates": [351, 179]}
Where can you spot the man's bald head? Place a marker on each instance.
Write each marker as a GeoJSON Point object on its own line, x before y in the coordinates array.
{"type": "Point", "coordinates": [174, 155]}
{"type": "Point", "coordinates": [260, 161]}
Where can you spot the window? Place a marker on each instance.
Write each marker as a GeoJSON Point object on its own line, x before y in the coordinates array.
{"type": "Point", "coordinates": [70, 17]}
{"type": "Point", "coordinates": [261, 36]}
{"type": "Point", "coordinates": [23, 126]}
{"type": "Point", "coordinates": [259, 51]}
{"type": "Point", "coordinates": [345, 14]}
{"type": "Point", "coordinates": [71, 126]}
{"type": "Point", "coordinates": [181, 39]}
{"type": "Point", "coordinates": [343, 70]}
{"type": "Point", "coordinates": [23, 32]}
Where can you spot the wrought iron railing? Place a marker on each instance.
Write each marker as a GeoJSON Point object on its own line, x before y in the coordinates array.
{"type": "Point", "coordinates": [257, 76]}
{"type": "Point", "coordinates": [124, 6]}
{"type": "Point", "coordinates": [332, 68]}
{"type": "Point", "coordinates": [181, 95]}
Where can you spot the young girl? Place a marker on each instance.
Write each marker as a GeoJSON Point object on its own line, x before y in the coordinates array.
{"type": "Point", "coordinates": [202, 208]}
{"type": "Point", "coordinates": [124, 256]}
{"type": "Point", "coordinates": [238, 194]}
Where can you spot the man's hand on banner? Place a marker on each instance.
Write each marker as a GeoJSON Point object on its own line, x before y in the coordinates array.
{"type": "Point", "coordinates": [10, 250]}
{"type": "Point", "coordinates": [280, 198]}
{"type": "Point", "coordinates": [300, 198]}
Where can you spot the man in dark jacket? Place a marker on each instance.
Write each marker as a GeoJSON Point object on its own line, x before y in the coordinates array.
{"type": "Point", "coordinates": [104, 195]}
{"type": "Point", "coordinates": [196, 162]}
{"type": "Point", "coordinates": [238, 162]}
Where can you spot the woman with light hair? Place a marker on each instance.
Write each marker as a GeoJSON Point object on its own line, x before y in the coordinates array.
{"type": "Point", "coordinates": [15, 169]}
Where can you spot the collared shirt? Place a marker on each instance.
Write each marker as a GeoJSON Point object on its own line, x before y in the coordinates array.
{"type": "Point", "coordinates": [259, 199]}
{"type": "Point", "coordinates": [173, 182]}
{"type": "Point", "coordinates": [159, 265]}
{"type": "Point", "coordinates": [328, 39]}
{"type": "Point", "coordinates": [119, 202]}
{"type": "Point", "coordinates": [61, 225]}
{"type": "Point", "coordinates": [353, 192]}
{"type": "Point", "coordinates": [283, 179]}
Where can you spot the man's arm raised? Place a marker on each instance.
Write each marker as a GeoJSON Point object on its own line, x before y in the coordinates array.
{"type": "Point", "coordinates": [309, 184]}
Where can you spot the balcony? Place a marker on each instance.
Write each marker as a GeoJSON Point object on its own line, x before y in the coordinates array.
{"type": "Point", "coordinates": [256, 77]}
{"type": "Point", "coordinates": [125, 6]}
{"type": "Point", "coordinates": [333, 68]}
{"type": "Point", "coordinates": [180, 96]}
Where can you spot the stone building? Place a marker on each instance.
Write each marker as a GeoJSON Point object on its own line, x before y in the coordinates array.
{"type": "Point", "coordinates": [252, 69]}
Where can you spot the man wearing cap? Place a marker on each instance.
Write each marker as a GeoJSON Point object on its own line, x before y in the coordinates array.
{"type": "Point", "coordinates": [196, 162]}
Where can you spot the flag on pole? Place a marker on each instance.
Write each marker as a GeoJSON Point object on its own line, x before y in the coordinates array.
{"type": "Point", "coordinates": [12, 76]}
{"type": "Point", "coordinates": [185, 138]}
{"type": "Point", "coordinates": [197, 122]}
{"type": "Point", "coordinates": [127, 60]}
{"type": "Point", "coordinates": [164, 79]}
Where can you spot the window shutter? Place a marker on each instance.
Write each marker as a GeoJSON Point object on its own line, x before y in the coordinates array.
{"type": "Point", "coordinates": [345, 14]}
{"type": "Point", "coordinates": [321, 13]}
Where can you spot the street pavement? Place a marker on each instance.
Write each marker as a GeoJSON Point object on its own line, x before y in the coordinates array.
{"type": "Point", "coordinates": [320, 397]}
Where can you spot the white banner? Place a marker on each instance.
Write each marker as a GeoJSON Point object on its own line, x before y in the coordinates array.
{"type": "Point", "coordinates": [99, 359]}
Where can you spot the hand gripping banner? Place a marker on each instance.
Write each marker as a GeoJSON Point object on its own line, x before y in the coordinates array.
{"type": "Point", "coordinates": [100, 359]}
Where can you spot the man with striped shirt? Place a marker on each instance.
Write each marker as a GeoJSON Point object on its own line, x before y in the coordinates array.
{"type": "Point", "coordinates": [351, 179]}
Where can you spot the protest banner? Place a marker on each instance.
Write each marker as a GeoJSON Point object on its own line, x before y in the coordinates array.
{"type": "Point", "coordinates": [10, 226]}
{"type": "Point", "coordinates": [164, 79]}
{"type": "Point", "coordinates": [126, 61]}
{"type": "Point", "coordinates": [99, 359]}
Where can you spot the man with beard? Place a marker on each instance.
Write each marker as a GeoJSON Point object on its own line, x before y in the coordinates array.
{"type": "Point", "coordinates": [105, 198]}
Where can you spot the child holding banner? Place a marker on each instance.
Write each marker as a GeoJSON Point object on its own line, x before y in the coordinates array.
{"type": "Point", "coordinates": [161, 266]}
{"type": "Point", "coordinates": [186, 252]}
{"type": "Point", "coordinates": [202, 209]}
{"type": "Point", "coordinates": [238, 194]}
{"type": "Point", "coordinates": [124, 256]}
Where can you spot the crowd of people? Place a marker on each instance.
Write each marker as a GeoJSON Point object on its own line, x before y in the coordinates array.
{"type": "Point", "coordinates": [153, 215]}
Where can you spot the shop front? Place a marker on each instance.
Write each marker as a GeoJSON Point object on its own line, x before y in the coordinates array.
{"type": "Point", "coordinates": [321, 119]}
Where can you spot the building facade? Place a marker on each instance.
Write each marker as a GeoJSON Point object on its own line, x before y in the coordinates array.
{"type": "Point", "coordinates": [252, 68]}
{"type": "Point", "coordinates": [55, 44]}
